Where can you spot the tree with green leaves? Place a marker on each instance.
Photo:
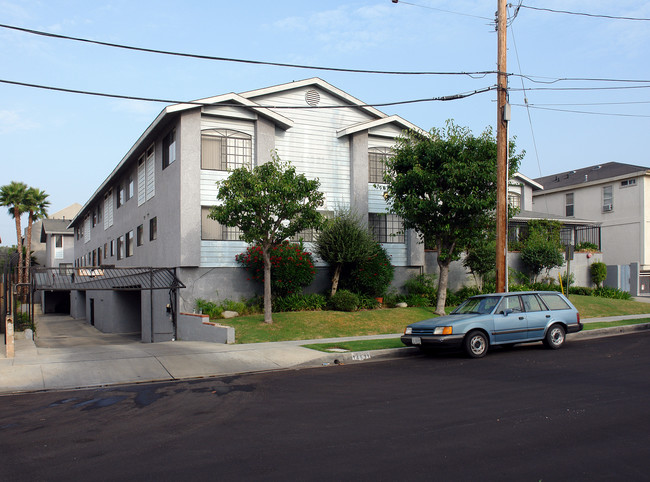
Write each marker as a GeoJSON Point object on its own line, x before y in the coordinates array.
{"type": "Point", "coordinates": [542, 247]}
{"type": "Point", "coordinates": [13, 196]}
{"type": "Point", "coordinates": [268, 203]}
{"type": "Point", "coordinates": [481, 256]}
{"type": "Point", "coordinates": [343, 240]}
{"type": "Point", "coordinates": [443, 185]}
{"type": "Point", "coordinates": [36, 205]}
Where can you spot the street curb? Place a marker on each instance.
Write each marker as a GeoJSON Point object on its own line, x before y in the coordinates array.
{"type": "Point", "coordinates": [392, 353]}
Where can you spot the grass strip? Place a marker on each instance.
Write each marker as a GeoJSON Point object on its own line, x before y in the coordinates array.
{"type": "Point", "coordinates": [358, 345]}
{"type": "Point", "coordinates": [608, 324]}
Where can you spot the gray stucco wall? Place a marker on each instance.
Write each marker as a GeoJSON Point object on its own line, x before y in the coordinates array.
{"type": "Point", "coordinates": [264, 140]}
{"type": "Point", "coordinates": [114, 311]}
{"type": "Point", "coordinates": [196, 327]}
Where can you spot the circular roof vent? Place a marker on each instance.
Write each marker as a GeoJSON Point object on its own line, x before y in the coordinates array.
{"type": "Point", "coordinates": [312, 97]}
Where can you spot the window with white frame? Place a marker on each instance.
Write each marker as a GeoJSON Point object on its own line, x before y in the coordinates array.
{"type": "Point", "coordinates": [514, 200]}
{"type": "Point", "coordinates": [386, 228]}
{"type": "Point", "coordinates": [129, 244]}
{"type": "Point", "coordinates": [58, 246]}
{"type": "Point", "coordinates": [224, 149]}
{"type": "Point", "coordinates": [608, 199]}
{"type": "Point", "coordinates": [153, 228]}
{"type": "Point", "coordinates": [628, 182]}
{"type": "Point", "coordinates": [568, 204]}
{"type": "Point", "coordinates": [120, 247]}
{"type": "Point", "coordinates": [212, 230]}
{"type": "Point", "coordinates": [377, 157]}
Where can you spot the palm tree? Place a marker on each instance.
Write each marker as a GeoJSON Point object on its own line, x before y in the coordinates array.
{"type": "Point", "coordinates": [13, 197]}
{"type": "Point", "coordinates": [36, 205]}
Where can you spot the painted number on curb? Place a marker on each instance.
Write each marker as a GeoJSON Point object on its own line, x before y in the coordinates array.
{"type": "Point", "coordinates": [361, 356]}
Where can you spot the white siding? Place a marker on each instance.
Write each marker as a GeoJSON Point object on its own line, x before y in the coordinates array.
{"type": "Point", "coordinates": [209, 186]}
{"type": "Point", "coordinates": [397, 253]}
{"type": "Point", "coordinates": [221, 254]}
{"type": "Point", "coordinates": [388, 131]}
{"type": "Point", "coordinates": [376, 201]}
{"type": "Point", "coordinates": [312, 146]}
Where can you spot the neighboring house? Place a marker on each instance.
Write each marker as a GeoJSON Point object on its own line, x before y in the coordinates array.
{"type": "Point", "coordinates": [38, 247]}
{"type": "Point", "coordinates": [58, 239]}
{"type": "Point", "coordinates": [153, 208]}
{"type": "Point", "coordinates": [615, 195]}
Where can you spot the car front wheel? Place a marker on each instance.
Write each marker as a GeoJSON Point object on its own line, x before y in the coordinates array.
{"type": "Point", "coordinates": [476, 344]}
{"type": "Point", "coordinates": [555, 336]}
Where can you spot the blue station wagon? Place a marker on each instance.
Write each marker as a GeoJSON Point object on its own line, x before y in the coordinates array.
{"type": "Point", "coordinates": [499, 319]}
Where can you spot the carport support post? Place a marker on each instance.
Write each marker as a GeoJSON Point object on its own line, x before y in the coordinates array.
{"type": "Point", "coordinates": [151, 301]}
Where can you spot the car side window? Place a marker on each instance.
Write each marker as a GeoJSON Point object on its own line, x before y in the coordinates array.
{"type": "Point", "coordinates": [510, 303]}
{"type": "Point", "coordinates": [554, 302]}
{"type": "Point", "coordinates": [531, 303]}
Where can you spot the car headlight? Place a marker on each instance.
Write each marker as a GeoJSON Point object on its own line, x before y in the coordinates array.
{"type": "Point", "coordinates": [408, 330]}
{"type": "Point", "coordinates": [442, 330]}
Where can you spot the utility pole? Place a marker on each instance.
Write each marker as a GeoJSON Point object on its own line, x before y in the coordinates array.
{"type": "Point", "coordinates": [502, 150]}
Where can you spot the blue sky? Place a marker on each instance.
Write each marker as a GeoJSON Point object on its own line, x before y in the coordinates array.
{"type": "Point", "coordinates": [67, 144]}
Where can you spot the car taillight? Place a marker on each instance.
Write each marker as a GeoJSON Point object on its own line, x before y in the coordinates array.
{"type": "Point", "coordinates": [578, 316]}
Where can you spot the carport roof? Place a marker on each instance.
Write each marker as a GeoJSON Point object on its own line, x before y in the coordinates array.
{"type": "Point", "coordinates": [100, 278]}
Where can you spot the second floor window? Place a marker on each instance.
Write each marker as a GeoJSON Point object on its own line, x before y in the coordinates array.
{"type": "Point", "coordinates": [608, 199]}
{"type": "Point", "coordinates": [212, 230]}
{"type": "Point", "coordinates": [568, 205]}
{"type": "Point", "coordinates": [224, 150]}
{"type": "Point", "coordinates": [386, 228]}
{"type": "Point", "coordinates": [514, 200]}
{"type": "Point", "coordinates": [377, 157]}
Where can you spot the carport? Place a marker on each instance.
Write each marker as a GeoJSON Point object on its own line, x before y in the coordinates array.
{"type": "Point", "coordinates": [118, 300]}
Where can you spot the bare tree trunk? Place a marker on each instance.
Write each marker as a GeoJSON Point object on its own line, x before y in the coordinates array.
{"type": "Point", "coordinates": [268, 317]}
{"type": "Point", "coordinates": [19, 244]}
{"type": "Point", "coordinates": [442, 287]}
{"type": "Point", "coordinates": [335, 278]}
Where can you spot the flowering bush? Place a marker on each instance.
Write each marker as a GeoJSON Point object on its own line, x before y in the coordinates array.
{"type": "Point", "coordinates": [292, 268]}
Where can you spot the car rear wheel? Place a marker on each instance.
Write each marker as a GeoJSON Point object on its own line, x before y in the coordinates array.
{"type": "Point", "coordinates": [555, 337]}
{"type": "Point", "coordinates": [476, 344]}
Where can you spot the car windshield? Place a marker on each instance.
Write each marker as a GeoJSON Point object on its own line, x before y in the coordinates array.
{"type": "Point", "coordinates": [479, 305]}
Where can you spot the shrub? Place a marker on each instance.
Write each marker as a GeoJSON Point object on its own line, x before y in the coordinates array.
{"type": "Point", "coordinates": [392, 298]}
{"type": "Point", "coordinates": [586, 246]}
{"type": "Point", "coordinates": [581, 290]}
{"type": "Point", "coordinates": [292, 268]}
{"type": "Point", "coordinates": [344, 300]}
{"type": "Point", "coordinates": [542, 247]}
{"type": "Point", "coordinates": [422, 285]}
{"type": "Point", "coordinates": [209, 308]}
{"type": "Point", "coordinates": [418, 300]}
{"type": "Point", "coordinates": [598, 272]}
{"type": "Point", "coordinates": [300, 302]}
{"type": "Point", "coordinates": [368, 302]}
{"type": "Point", "coordinates": [22, 322]}
{"type": "Point", "coordinates": [370, 276]}
{"type": "Point", "coordinates": [614, 293]}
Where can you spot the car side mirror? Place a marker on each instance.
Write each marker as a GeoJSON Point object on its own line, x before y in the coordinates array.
{"type": "Point", "coordinates": [507, 311]}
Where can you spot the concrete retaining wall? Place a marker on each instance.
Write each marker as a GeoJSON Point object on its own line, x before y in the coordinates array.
{"type": "Point", "coordinates": [195, 327]}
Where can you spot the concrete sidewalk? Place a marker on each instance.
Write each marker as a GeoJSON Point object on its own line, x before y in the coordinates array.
{"type": "Point", "coordinates": [119, 361]}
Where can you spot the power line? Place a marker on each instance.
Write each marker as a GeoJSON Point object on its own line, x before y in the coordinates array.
{"type": "Point", "coordinates": [443, 10]}
{"type": "Point", "coordinates": [613, 17]}
{"type": "Point", "coordinates": [624, 87]}
{"type": "Point", "coordinates": [580, 111]}
{"type": "Point", "coordinates": [472, 74]}
{"type": "Point", "coordinates": [478, 74]}
{"type": "Point", "coordinates": [445, 98]}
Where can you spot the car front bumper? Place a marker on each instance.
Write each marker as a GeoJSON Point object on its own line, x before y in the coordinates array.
{"type": "Point", "coordinates": [433, 340]}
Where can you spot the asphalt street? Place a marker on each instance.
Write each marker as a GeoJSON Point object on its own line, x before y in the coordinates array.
{"type": "Point", "coordinates": [578, 413]}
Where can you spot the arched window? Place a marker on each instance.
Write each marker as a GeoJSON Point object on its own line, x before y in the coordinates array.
{"type": "Point", "coordinates": [224, 149]}
{"type": "Point", "coordinates": [377, 157]}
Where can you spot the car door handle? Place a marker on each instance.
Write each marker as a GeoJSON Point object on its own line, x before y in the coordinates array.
{"type": "Point", "coordinates": [548, 316]}
{"type": "Point", "coordinates": [521, 317]}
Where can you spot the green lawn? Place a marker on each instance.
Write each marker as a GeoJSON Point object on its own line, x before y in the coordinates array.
{"type": "Point", "coordinates": [307, 325]}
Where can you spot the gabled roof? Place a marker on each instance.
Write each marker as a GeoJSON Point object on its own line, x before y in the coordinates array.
{"type": "Point", "coordinates": [362, 126]}
{"type": "Point", "coordinates": [55, 226]}
{"type": "Point", "coordinates": [527, 180]}
{"type": "Point", "coordinates": [597, 172]}
{"type": "Point", "coordinates": [314, 82]}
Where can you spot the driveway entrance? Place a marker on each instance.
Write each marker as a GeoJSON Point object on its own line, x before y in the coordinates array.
{"type": "Point", "coordinates": [60, 331]}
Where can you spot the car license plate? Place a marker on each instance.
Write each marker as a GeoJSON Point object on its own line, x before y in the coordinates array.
{"type": "Point", "coordinates": [416, 340]}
